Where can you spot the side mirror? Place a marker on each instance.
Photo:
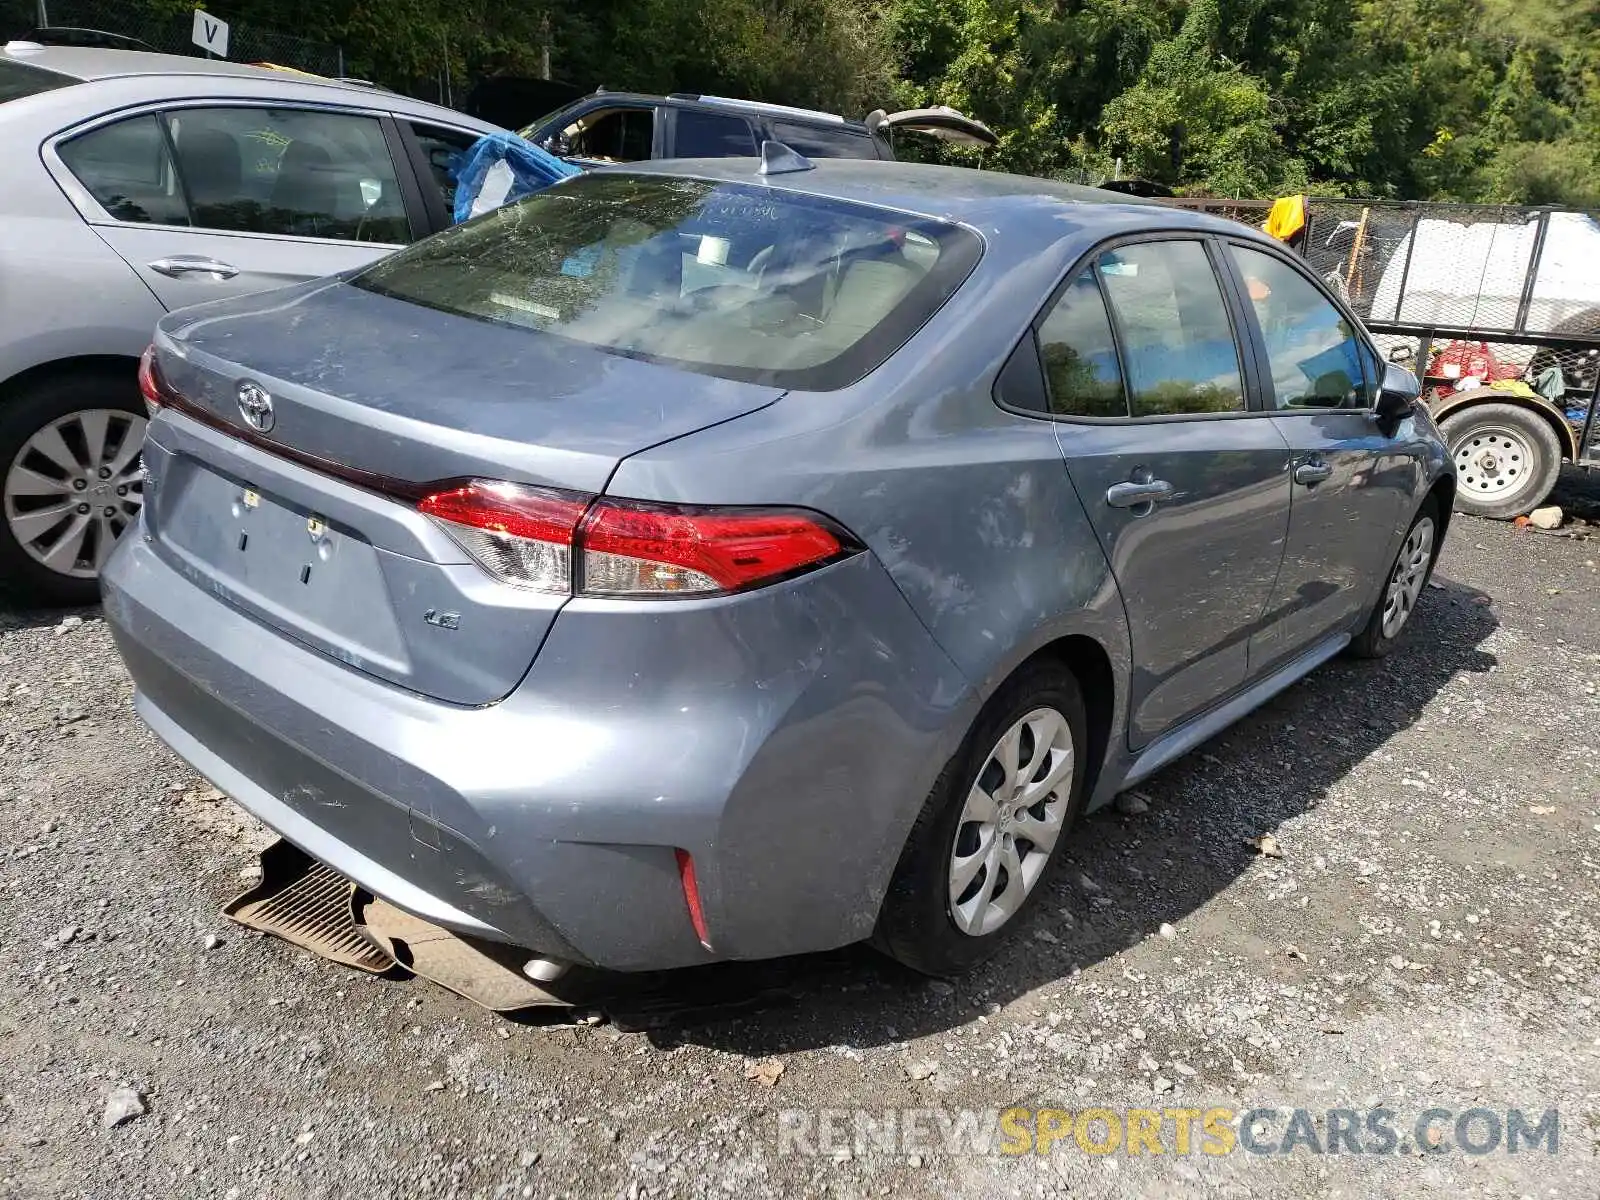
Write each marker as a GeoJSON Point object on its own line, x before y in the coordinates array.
{"type": "Point", "coordinates": [1397, 397]}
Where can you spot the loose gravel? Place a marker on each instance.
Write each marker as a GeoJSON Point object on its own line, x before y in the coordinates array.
{"type": "Point", "coordinates": [1422, 929]}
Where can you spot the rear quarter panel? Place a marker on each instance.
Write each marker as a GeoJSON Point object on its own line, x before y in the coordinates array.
{"type": "Point", "coordinates": [967, 506]}
{"type": "Point", "coordinates": [63, 292]}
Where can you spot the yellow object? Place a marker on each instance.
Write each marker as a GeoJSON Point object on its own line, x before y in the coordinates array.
{"type": "Point", "coordinates": [1516, 387]}
{"type": "Point", "coordinates": [1287, 218]}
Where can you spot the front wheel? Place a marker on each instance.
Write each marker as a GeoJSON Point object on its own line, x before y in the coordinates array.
{"type": "Point", "coordinates": [1409, 575]}
{"type": "Point", "coordinates": [989, 835]}
{"type": "Point", "coordinates": [1507, 459]}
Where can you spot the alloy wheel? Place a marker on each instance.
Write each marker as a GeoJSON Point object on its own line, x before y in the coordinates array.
{"type": "Point", "coordinates": [1410, 572]}
{"type": "Point", "coordinates": [73, 488]}
{"type": "Point", "coordinates": [1013, 815]}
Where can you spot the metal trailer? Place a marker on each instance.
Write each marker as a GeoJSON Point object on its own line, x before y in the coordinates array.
{"type": "Point", "coordinates": [1475, 295]}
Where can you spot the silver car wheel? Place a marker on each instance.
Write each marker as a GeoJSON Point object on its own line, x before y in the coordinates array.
{"type": "Point", "coordinates": [74, 487]}
{"type": "Point", "coordinates": [1008, 827]}
{"type": "Point", "coordinates": [1410, 571]}
{"type": "Point", "coordinates": [1492, 462]}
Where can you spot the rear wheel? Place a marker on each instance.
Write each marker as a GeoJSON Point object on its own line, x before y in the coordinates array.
{"type": "Point", "coordinates": [1507, 459]}
{"type": "Point", "coordinates": [989, 836]}
{"type": "Point", "coordinates": [71, 482]}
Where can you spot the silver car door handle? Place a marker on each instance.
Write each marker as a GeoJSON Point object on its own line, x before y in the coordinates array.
{"type": "Point", "coordinates": [1137, 492]}
{"type": "Point", "coordinates": [1312, 473]}
{"type": "Point", "coordinates": [193, 264]}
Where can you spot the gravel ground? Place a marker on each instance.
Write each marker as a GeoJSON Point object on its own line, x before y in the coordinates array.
{"type": "Point", "coordinates": [1430, 937]}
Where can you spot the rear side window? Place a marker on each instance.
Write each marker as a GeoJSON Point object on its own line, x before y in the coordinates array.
{"type": "Point", "coordinates": [712, 135]}
{"type": "Point", "coordinates": [18, 80]}
{"type": "Point", "coordinates": [289, 172]}
{"type": "Point", "coordinates": [720, 278]}
{"type": "Point", "coordinates": [127, 168]}
{"type": "Point", "coordinates": [1178, 347]}
{"type": "Point", "coordinates": [1080, 354]}
{"type": "Point", "coordinates": [819, 142]}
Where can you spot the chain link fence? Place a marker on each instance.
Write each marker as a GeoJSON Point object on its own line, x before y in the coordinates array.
{"type": "Point", "coordinates": [170, 35]}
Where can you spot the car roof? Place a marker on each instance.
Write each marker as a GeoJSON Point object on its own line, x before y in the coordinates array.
{"type": "Point", "coordinates": [87, 63]}
{"type": "Point", "coordinates": [960, 194]}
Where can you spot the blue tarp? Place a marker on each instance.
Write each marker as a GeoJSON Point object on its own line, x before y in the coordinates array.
{"type": "Point", "coordinates": [500, 168]}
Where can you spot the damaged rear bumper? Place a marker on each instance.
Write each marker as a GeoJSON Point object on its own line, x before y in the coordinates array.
{"type": "Point", "coordinates": [787, 744]}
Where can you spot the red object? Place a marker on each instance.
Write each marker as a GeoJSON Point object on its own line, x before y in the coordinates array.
{"type": "Point", "coordinates": [150, 383]}
{"type": "Point", "coordinates": [634, 548]}
{"type": "Point", "coordinates": [736, 549]}
{"type": "Point", "coordinates": [1467, 360]}
{"type": "Point", "coordinates": [538, 514]}
{"type": "Point", "coordinates": [691, 896]}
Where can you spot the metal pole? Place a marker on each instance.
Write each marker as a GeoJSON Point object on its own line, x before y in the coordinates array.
{"type": "Point", "coordinates": [1424, 353]}
{"type": "Point", "coordinates": [43, 14]}
{"type": "Point", "coordinates": [1405, 271]}
{"type": "Point", "coordinates": [1526, 299]}
{"type": "Point", "coordinates": [1588, 452]}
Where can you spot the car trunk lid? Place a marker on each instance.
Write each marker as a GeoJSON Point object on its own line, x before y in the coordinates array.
{"type": "Point", "coordinates": [306, 516]}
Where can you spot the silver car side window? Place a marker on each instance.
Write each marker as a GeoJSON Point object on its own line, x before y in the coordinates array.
{"type": "Point", "coordinates": [1315, 353]}
{"type": "Point", "coordinates": [289, 172]}
{"type": "Point", "coordinates": [127, 168]}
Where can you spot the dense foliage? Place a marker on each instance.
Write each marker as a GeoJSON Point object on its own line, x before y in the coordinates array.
{"type": "Point", "coordinates": [1466, 99]}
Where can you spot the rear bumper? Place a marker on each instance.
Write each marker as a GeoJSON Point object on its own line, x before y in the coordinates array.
{"type": "Point", "coordinates": [785, 738]}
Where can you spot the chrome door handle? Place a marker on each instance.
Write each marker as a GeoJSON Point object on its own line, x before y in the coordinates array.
{"type": "Point", "coordinates": [193, 264]}
{"type": "Point", "coordinates": [1136, 492]}
{"type": "Point", "coordinates": [1311, 473]}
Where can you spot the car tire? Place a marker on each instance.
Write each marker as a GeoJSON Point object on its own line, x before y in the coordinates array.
{"type": "Point", "coordinates": [65, 402]}
{"type": "Point", "coordinates": [1507, 459]}
{"type": "Point", "coordinates": [1403, 586]}
{"type": "Point", "coordinates": [922, 922]}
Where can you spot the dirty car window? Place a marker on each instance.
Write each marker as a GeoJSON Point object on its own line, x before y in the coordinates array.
{"type": "Point", "coordinates": [725, 279]}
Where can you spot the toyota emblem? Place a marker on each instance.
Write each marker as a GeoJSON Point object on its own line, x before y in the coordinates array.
{"type": "Point", "coordinates": [255, 406]}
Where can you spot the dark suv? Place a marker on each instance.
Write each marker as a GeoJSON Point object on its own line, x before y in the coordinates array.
{"type": "Point", "coordinates": [612, 127]}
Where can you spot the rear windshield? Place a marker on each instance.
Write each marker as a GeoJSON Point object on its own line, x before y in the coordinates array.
{"type": "Point", "coordinates": [739, 281]}
{"type": "Point", "coordinates": [17, 81]}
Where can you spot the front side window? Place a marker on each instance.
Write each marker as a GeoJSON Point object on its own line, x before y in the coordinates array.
{"type": "Point", "coordinates": [725, 279]}
{"type": "Point", "coordinates": [1080, 354]}
{"type": "Point", "coordinates": [712, 135]}
{"type": "Point", "coordinates": [290, 172]}
{"type": "Point", "coordinates": [445, 150]}
{"type": "Point", "coordinates": [1315, 353]}
{"type": "Point", "coordinates": [1178, 346]}
{"type": "Point", "coordinates": [126, 167]}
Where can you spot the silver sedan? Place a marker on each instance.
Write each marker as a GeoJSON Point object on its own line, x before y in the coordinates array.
{"type": "Point", "coordinates": [139, 183]}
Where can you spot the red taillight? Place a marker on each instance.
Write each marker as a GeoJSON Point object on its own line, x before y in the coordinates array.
{"type": "Point", "coordinates": [633, 550]}
{"type": "Point", "coordinates": [691, 896]}
{"type": "Point", "coordinates": [149, 380]}
{"type": "Point", "coordinates": [521, 535]}
{"type": "Point", "coordinates": [562, 542]}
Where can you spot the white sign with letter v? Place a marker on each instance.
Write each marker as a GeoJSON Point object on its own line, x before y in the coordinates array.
{"type": "Point", "coordinates": [210, 33]}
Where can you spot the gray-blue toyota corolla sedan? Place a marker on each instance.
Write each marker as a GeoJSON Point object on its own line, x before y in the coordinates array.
{"type": "Point", "coordinates": [714, 560]}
